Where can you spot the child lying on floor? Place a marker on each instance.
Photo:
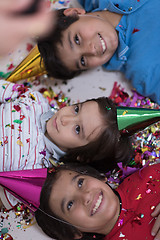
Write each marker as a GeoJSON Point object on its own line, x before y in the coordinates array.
{"type": "Point", "coordinates": [76, 203]}
{"type": "Point", "coordinates": [120, 35]}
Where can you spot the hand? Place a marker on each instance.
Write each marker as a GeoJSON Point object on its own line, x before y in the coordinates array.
{"type": "Point", "coordinates": [14, 28]}
{"type": "Point", "coordinates": [156, 228]}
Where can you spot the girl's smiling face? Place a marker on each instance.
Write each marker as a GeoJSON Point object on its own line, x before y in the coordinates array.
{"type": "Point", "coordinates": [75, 126]}
{"type": "Point", "coordinates": [87, 43]}
{"type": "Point", "coordinates": [85, 202]}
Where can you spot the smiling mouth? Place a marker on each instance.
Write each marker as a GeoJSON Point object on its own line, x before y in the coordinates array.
{"type": "Point", "coordinates": [103, 44]}
{"type": "Point", "coordinates": [97, 204]}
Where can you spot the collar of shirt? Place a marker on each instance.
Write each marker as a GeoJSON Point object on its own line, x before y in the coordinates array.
{"type": "Point", "coordinates": [52, 148]}
{"type": "Point", "coordinates": [121, 54]}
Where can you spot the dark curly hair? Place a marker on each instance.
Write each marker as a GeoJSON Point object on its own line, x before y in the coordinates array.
{"type": "Point", "coordinates": [48, 48]}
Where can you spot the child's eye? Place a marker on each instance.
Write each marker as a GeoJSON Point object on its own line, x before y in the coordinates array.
{"type": "Point", "coordinates": [80, 182]}
{"type": "Point", "coordinates": [76, 109]}
{"type": "Point", "coordinates": [69, 205]}
{"type": "Point", "coordinates": [77, 129]}
{"type": "Point", "coordinates": [76, 39]}
{"type": "Point", "coordinates": [83, 61]}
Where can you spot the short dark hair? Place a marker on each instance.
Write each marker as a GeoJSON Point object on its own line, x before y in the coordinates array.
{"type": "Point", "coordinates": [52, 227]}
{"type": "Point", "coordinates": [48, 48]}
{"type": "Point", "coordinates": [109, 148]}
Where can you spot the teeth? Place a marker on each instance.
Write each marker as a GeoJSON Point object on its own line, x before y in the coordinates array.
{"type": "Point", "coordinates": [103, 43]}
{"type": "Point", "coordinates": [97, 204]}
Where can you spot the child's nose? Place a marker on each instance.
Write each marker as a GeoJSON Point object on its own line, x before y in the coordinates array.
{"type": "Point", "coordinates": [86, 198]}
{"type": "Point", "coordinates": [65, 120]}
{"type": "Point", "coordinates": [91, 49]}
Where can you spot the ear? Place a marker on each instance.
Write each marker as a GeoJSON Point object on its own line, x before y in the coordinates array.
{"type": "Point", "coordinates": [78, 236]}
{"type": "Point", "coordinates": [73, 11]}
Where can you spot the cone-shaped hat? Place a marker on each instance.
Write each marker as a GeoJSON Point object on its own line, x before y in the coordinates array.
{"type": "Point", "coordinates": [31, 66]}
{"type": "Point", "coordinates": [25, 185]}
{"type": "Point", "coordinates": [131, 120]}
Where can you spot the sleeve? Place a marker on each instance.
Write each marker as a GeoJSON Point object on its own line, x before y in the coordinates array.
{"type": "Point", "coordinates": [146, 81]}
{"type": "Point", "coordinates": [8, 200]}
{"type": "Point", "coordinates": [10, 91]}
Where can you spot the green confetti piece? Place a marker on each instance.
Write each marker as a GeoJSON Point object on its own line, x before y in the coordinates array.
{"type": "Point", "coordinates": [8, 125]}
{"type": "Point", "coordinates": [4, 75]}
{"type": "Point", "coordinates": [17, 121]}
{"type": "Point", "coordinates": [18, 226]}
{"type": "Point", "coordinates": [132, 163]}
{"type": "Point", "coordinates": [4, 230]}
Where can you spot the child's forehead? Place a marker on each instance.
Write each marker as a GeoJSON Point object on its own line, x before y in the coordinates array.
{"type": "Point", "coordinates": [69, 172]}
{"type": "Point", "coordinates": [72, 174]}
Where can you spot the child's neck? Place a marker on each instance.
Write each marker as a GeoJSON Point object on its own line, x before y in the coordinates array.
{"type": "Point", "coordinates": [113, 18]}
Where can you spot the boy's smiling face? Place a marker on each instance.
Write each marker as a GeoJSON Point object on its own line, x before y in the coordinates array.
{"type": "Point", "coordinates": [75, 125]}
{"type": "Point", "coordinates": [87, 43]}
{"type": "Point", "coordinates": [84, 201]}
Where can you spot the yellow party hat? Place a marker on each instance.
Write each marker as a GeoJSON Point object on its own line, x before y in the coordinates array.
{"type": "Point", "coordinates": [31, 66]}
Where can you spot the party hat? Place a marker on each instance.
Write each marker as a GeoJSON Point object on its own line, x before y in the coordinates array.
{"type": "Point", "coordinates": [131, 120]}
{"type": "Point", "coordinates": [23, 183]}
{"type": "Point", "coordinates": [31, 66]}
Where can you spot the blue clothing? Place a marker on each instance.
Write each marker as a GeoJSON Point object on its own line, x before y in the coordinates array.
{"type": "Point", "coordinates": [137, 55]}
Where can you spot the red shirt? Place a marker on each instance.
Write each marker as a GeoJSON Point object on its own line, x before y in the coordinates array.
{"type": "Point", "coordinates": [140, 193]}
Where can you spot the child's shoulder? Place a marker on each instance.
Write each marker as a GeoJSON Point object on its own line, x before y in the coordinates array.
{"type": "Point", "coordinates": [146, 173]}
{"type": "Point", "coordinates": [125, 6]}
{"type": "Point", "coordinates": [153, 170]}
{"type": "Point", "coordinates": [121, 6]}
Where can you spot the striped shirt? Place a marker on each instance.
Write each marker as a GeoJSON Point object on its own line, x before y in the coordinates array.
{"type": "Point", "coordinates": [23, 144]}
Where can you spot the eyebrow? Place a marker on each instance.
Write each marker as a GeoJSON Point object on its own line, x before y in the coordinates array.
{"type": "Point", "coordinates": [83, 131]}
{"type": "Point", "coordinates": [69, 40]}
{"type": "Point", "coordinates": [72, 46]}
{"type": "Point", "coordinates": [63, 203]}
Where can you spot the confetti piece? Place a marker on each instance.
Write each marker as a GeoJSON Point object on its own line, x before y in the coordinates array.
{"type": "Point", "coordinates": [29, 47]}
{"type": "Point", "coordinates": [121, 234]}
{"type": "Point", "coordinates": [6, 140]}
{"type": "Point", "coordinates": [22, 117]}
{"type": "Point", "coordinates": [120, 222]}
{"type": "Point", "coordinates": [153, 207]}
{"type": "Point", "coordinates": [139, 196]}
{"type": "Point", "coordinates": [28, 140]}
{"type": "Point", "coordinates": [8, 125]}
{"type": "Point", "coordinates": [148, 191]}
{"type": "Point", "coordinates": [32, 96]}
{"type": "Point", "coordinates": [108, 108]}
{"type": "Point", "coordinates": [11, 66]}
{"type": "Point", "coordinates": [17, 121]}
{"type": "Point", "coordinates": [17, 108]}
{"type": "Point", "coordinates": [43, 153]}
{"type": "Point", "coordinates": [20, 143]}
{"type": "Point", "coordinates": [124, 112]}
{"type": "Point", "coordinates": [135, 30]}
